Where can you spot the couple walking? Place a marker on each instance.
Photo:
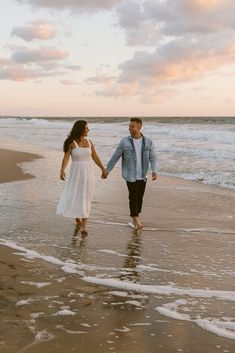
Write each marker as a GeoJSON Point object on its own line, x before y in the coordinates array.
{"type": "Point", "coordinates": [137, 152]}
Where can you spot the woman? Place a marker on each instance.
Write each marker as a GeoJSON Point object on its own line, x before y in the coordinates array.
{"type": "Point", "coordinates": [76, 198]}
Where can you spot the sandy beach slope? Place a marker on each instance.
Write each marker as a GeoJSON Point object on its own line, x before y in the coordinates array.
{"type": "Point", "coordinates": [10, 160]}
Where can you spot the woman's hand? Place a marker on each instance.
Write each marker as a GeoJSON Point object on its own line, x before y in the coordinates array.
{"type": "Point", "coordinates": [104, 174]}
{"type": "Point", "coordinates": [62, 175]}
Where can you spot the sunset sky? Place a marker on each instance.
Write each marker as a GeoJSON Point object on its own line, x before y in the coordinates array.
{"type": "Point", "coordinates": [117, 57]}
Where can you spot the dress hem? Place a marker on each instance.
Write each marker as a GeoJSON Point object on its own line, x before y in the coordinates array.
{"type": "Point", "coordinates": [69, 216]}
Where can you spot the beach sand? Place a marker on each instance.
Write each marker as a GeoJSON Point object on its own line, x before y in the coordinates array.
{"type": "Point", "coordinates": [46, 309]}
{"type": "Point", "coordinates": [10, 170]}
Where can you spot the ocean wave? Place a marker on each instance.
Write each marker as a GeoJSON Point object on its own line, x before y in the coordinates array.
{"type": "Point", "coordinates": [201, 152]}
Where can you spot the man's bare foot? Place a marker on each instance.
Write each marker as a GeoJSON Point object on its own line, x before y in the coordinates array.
{"type": "Point", "coordinates": [139, 227]}
{"type": "Point", "coordinates": [137, 223]}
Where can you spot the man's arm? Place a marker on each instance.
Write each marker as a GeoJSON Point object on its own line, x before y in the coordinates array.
{"type": "Point", "coordinates": [115, 157]}
{"type": "Point", "coordinates": [153, 161]}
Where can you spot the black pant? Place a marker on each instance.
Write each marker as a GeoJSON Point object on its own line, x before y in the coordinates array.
{"type": "Point", "coordinates": [136, 193]}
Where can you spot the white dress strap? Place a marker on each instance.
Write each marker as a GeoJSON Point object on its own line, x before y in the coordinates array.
{"type": "Point", "coordinates": [89, 143]}
{"type": "Point", "coordinates": [75, 143]}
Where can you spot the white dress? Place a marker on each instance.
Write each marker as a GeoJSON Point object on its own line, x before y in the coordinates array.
{"type": "Point", "coordinates": [76, 198]}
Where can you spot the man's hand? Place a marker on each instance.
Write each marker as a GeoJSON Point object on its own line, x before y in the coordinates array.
{"type": "Point", "coordinates": [154, 176]}
{"type": "Point", "coordinates": [104, 174]}
{"type": "Point", "coordinates": [62, 175]}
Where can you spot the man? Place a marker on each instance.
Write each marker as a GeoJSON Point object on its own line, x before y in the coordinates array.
{"type": "Point", "coordinates": [137, 151]}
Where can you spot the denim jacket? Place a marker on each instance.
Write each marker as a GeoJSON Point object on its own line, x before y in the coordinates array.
{"type": "Point", "coordinates": [126, 150]}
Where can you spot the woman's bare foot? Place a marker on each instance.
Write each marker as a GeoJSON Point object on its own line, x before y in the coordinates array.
{"type": "Point", "coordinates": [78, 223]}
{"type": "Point", "coordinates": [84, 226]}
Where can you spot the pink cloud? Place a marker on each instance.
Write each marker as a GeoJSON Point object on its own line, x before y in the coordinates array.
{"type": "Point", "coordinates": [26, 55]}
{"type": "Point", "coordinates": [30, 64]}
{"type": "Point", "coordinates": [190, 39]}
{"type": "Point", "coordinates": [157, 73]}
{"type": "Point", "coordinates": [150, 22]}
{"type": "Point", "coordinates": [202, 5]}
{"type": "Point", "coordinates": [40, 29]}
{"type": "Point", "coordinates": [177, 18]}
{"type": "Point", "coordinates": [19, 73]}
{"type": "Point", "coordinates": [74, 5]}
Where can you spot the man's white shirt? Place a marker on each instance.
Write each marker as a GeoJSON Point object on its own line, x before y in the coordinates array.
{"type": "Point", "coordinates": [138, 151]}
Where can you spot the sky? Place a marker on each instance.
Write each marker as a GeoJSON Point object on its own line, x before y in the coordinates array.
{"type": "Point", "coordinates": [117, 58]}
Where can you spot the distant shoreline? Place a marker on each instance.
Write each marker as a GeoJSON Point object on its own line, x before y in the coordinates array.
{"type": "Point", "coordinates": [159, 119]}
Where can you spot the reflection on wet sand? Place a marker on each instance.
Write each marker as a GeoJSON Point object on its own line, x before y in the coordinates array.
{"type": "Point", "coordinates": [132, 259]}
{"type": "Point", "coordinates": [75, 233]}
{"type": "Point", "coordinates": [75, 238]}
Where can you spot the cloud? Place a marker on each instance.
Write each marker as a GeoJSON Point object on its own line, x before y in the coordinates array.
{"type": "Point", "coordinates": [4, 62]}
{"type": "Point", "coordinates": [189, 39]}
{"type": "Point", "coordinates": [9, 70]}
{"type": "Point", "coordinates": [151, 22]}
{"type": "Point", "coordinates": [179, 61]}
{"type": "Point", "coordinates": [73, 67]}
{"type": "Point", "coordinates": [31, 64]}
{"type": "Point", "coordinates": [21, 74]}
{"type": "Point", "coordinates": [155, 74]}
{"type": "Point", "coordinates": [183, 17]}
{"type": "Point", "coordinates": [101, 79]}
{"type": "Point", "coordinates": [139, 28]}
{"type": "Point", "coordinates": [69, 82]}
{"type": "Point", "coordinates": [43, 30]}
{"type": "Point", "coordinates": [204, 6]}
{"type": "Point", "coordinates": [74, 5]}
{"type": "Point", "coordinates": [26, 55]}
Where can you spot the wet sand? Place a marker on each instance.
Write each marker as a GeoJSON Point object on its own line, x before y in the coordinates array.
{"type": "Point", "coordinates": [10, 170]}
{"type": "Point", "coordinates": [46, 309]}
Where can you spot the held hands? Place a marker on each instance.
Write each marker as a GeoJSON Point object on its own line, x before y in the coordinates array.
{"type": "Point", "coordinates": [104, 174]}
{"type": "Point", "coordinates": [62, 175]}
{"type": "Point", "coordinates": [154, 176]}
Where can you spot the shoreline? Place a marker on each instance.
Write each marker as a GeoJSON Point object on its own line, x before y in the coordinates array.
{"type": "Point", "coordinates": [10, 170]}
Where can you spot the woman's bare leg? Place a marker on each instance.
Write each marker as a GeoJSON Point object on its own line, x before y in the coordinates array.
{"type": "Point", "coordinates": [84, 224]}
{"type": "Point", "coordinates": [78, 222]}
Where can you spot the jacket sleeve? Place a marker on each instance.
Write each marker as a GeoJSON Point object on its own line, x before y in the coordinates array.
{"type": "Point", "coordinates": [115, 157]}
{"type": "Point", "coordinates": [153, 158]}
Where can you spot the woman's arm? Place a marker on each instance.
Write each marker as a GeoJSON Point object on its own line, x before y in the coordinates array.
{"type": "Point", "coordinates": [65, 163]}
{"type": "Point", "coordinates": [96, 159]}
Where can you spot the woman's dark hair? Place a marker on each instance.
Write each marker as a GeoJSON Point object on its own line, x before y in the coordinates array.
{"type": "Point", "coordinates": [77, 131]}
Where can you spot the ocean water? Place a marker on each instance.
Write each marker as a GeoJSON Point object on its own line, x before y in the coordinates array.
{"type": "Point", "coordinates": [201, 151]}
{"type": "Point", "coordinates": [188, 276]}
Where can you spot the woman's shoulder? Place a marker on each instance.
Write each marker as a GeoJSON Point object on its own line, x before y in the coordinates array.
{"type": "Point", "coordinates": [73, 145]}
{"type": "Point", "coordinates": [90, 142]}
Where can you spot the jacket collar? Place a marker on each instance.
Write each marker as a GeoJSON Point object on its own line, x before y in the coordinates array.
{"type": "Point", "coordinates": [131, 140]}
